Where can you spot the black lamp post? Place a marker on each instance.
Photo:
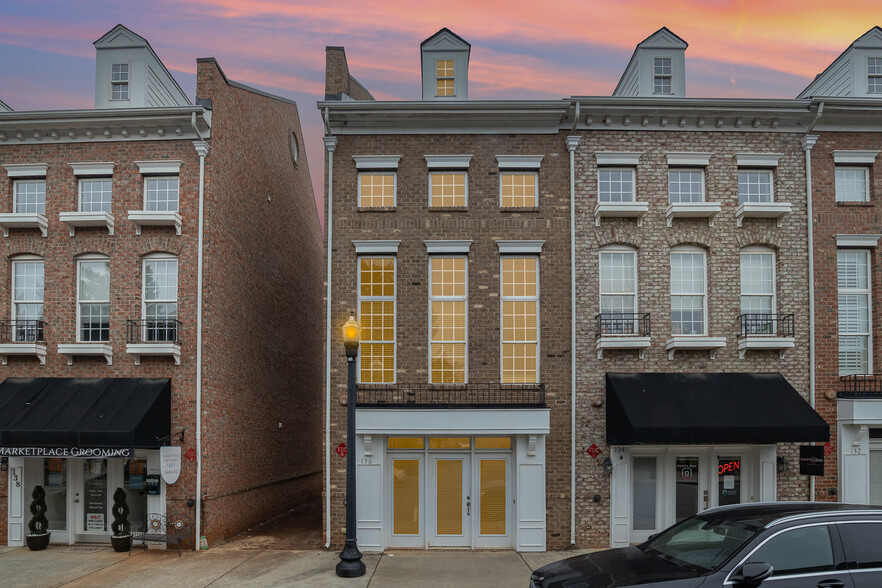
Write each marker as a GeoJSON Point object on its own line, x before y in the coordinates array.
{"type": "Point", "coordinates": [350, 565]}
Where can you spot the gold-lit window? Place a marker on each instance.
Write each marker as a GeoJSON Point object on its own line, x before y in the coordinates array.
{"type": "Point", "coordinates": [449, 442]}
{"type": "Point", "coordinates": [492, 442]}
{"type": "Point", "coordinates": [405, 443]}
{"type": "Point", "coordinates": [518, 189]}
{"type": "Point", "coordinates": [448, 303]}
{"type": "Point", "coordinates": [376, 189]}
{"type": "Point", "coordinates": [447, 188]}
{"type": "Point", "coordinates": [376, 305]}
{"type": "Point", "coordinates": [444, 78]}
{"type": "Point", "coordinates": [520, 319]}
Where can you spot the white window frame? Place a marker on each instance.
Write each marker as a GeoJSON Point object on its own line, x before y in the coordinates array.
{"type": "Point", "coordinates": [698, 170]}
{"type": "Point", "coordinates": [394, 300]}
{"type": "Point", "coordinates": [766, 172]}
{"type": "Point", "coordinates": [516, 173]}
{"type": "Point", "coordinates": [656, 77]}
{"type": "Point", "coordinates": [449, 298]}
{"type": "Point", "coordinates": [148, 179]}
{"type": "Point", "coordinates": [98, 179]}
{"type": "Point", "coordinates": [14, 302]}
{"type": "Point", "coordinates": [875, 76]}
{"type": "Point", "coordinates": [537, 299]}
{"type": "Point", "coordinates": [438, 78]}
{"type": "Point", "coordinates": [87, 259]}
{"type": "Point", "coordinates": [688, 249]}
{"type": "Point", "coordinates": [633, 173]}
{"type": "Point", "coordinates": [617, 249]}
{"type": "Point", "coordinates": [866, 173]}
{"type": "Point", "coordinates": [366, 172]}
{"type": "Point", "coordinates": [757, 250]}
{"type": "Point", "coordinates": [121, 82]}
{"type": "Point", "coordinates": [21, 182]}
{"type": "Point", "coordinates": [868, 292]}
{"type": "Point", "coordinates": [464, 172]}
{"type": "Point", "coordinates": [144, 261]}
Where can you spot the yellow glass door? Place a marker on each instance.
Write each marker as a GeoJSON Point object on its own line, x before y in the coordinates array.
{"type": "Point", "coordinates": [406, 484]}
{"type": "Point", "coordinates": [450, 501]}
{"type": "Point", "coordinates": [493, 495]}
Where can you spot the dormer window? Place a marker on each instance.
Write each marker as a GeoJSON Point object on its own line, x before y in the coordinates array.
{"type": "Point", "coordinates": [444, 78]}
{"type": "Point", "coordinates": [874, 75]}
{"type": "Point", "coordinates": [119, 81]}
{"type": "Point", "coordinates": [661, 75]}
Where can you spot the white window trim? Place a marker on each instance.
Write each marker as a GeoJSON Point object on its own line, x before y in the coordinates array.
{"type": "Point", "coordinates": [144, 301]}
{"type": "Point", "coordinates": [450, 171]}
{"type": "Point", "coordinates": [519, 247]}
{"type": "Point", "coordinates": [448, 162]}
{"type": "Point", "coordinates": [679, 159]}
{"type": "Point", "coordinates": [701, 171]}
{"type": "Point", "coordinates": [26, 170]}
{"type": "Point", "coordinates": [854, 157]}
{"type": "Point", "coordinates": [759, 250]}
{"type": "Point", "coordinates": [447, 247]}
{"type": "Point", "coordinates": [80, 260]}
{"type": "Point", "coordinates": [94, 179]}
{"type": "Point", "coordinates": [502, 298]}
{"type": "Point", "coordinates": [690, 249]}
{"type": "Point", "coordinates": [452, 298]}
{"type": "Point", "coordinates": [15, 185]}
{"type": "Point", "coordinates": [617, 158]}
{"type": "Point", "coordinates": [758, 159]}
{"type": "Point", "coordinates": [162, 177]}
{"type": "Point", "coordinates": [127, 82]}
{"type": "Point", "coordinates": [376, 248]}
{"type": "Point", "coordinates": [751, 170]}
{"type": "Point", "coordinates": [519, 162]}
{"type": "Point", "coordinates": [860, 241]}
{"type": "Point", "coordinates": [669, 77]}
{"type": "Point", "coordinates": [382, 299]}
{"type": "Point", "coordinates": [866, 173]}
{"type": "Point", "coordinates": [376, 162]}
{"type": "Point", "coordinates": [517, 173]}
{"type": "Point", "coordinates": [169, 167]}
{"type": "Point", "coordinates": [394, 175]}
{"type": "Point", "coordinates": [437, 78]}
{"type": "Point", "coordinates": [875, 75]}
{"type": "Point", "coordinates": [24, 258]}
{"type": "Point", "coordinates": [869, 293]}
{"type": "Point", "coordinates": [94, 168]}
{"type": "Point", "coordinates": [616, 249]}
{"type": "Point", "coordinates": [633, 172]}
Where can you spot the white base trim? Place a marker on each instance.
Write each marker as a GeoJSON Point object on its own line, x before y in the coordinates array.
{"type": "Point", "coordinates": [620, 210]}
{"type": "Point", "coordinates": [694, 343]}
{"type": "Point", "coordinates": [432, 421]}
{"type": "Point", "coordinates": [622, 342]}
{"type": "Point", "coordinates": [761, 343]}
{"type": "Point", "coordinates": [69, 350]}
{"type": "Point", "coordinates": [15, 220]}
{"type": "Point", "coordinates": [775, 210]}
{"type": "Point", "coordinates": [152, 218]}
{"type": "Point", "coordinates": [139, 349]}
{"type": "Point", "coordinates": [37, 349]}
{"type": "Point", "coordinates": [706, 210]}
{"type": "Point", "coordinates": [72, 220]}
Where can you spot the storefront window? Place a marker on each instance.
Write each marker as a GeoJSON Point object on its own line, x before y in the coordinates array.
{"type": "Point", "coordinates": [136, 492]}
{"type": "Point", "coordinates": [55, 485]}
{"type": "Point", "coordinates": [729, 485]}
{"type": "Point", "coordinates": [95, 490]}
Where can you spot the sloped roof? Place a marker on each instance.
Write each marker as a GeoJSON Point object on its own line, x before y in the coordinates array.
{"type": "Point", "coordinates": [453, 37]}
{"type": "Point", "coordinates": [872, 39]}
{"type": "Point", "coordinates": [663, 38]}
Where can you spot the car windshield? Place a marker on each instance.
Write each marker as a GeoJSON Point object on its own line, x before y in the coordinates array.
{"type": "Point", "coordinates": [700, 544]}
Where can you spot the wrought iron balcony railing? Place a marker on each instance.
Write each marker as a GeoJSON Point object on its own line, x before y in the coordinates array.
{"type": "Point", "coordinates": [623, 323]}
{"type": "Point", "coordinates": [860, 386]}
{"type": "Point", "coordinates": [22, 331]}
{"type": "Point", "coordinates": [471, 395]}
{"type": "Point", "coordinates": [153, 331]}
{"type": "Point", "coordinates": [775, 325]}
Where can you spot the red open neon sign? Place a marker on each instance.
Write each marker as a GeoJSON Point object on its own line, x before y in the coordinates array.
{"type": "Point", "coordinates": [732, 466]}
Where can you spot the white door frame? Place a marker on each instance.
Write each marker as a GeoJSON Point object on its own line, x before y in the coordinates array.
{"type": "Point", "coordinates": [491, 541]}
{"type": "Point", "coordinates": [392, 540]}
{"type": "Point", "coordinates": [467, 503]}
{"type": "Point", "coordinates": [703, 477]}
{"type": "Point", "coordinates": [638, 536]}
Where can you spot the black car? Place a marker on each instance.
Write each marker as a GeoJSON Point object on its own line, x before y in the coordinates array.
{"type": "Point", "coordinates": [780, 545]}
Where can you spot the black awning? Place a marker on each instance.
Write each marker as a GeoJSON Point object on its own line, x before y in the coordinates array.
{"type": "Point", "coordinates": [708, 408]}
{"type": "Point", "coordinates": [71, 412]}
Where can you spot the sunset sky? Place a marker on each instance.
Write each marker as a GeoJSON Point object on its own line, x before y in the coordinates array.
{"type": "Point", "coordinates": [520, 50]}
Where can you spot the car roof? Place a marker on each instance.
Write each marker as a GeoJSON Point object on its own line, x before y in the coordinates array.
{"type": "Point", "coordinates": [767, 514]}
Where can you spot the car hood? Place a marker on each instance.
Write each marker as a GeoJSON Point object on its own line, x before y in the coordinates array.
{"type": "Point", "coordinates": [614, 568]}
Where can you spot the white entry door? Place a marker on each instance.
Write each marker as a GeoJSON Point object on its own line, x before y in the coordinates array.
{"type": "Point", "coordinates": [491, 500]}
{"type": "Point", "coordinates": [92, 499]}
{"type": "Point", "coordinates": [449, 500]}
{"type": "Point", "coordinates": [405, 500]}
{"type": "Point", "coordinates": [646, 491]}
{"type": "Point", "coordinates": [689, 471]}
{"type": "Point", "coordinates": [58, 485]}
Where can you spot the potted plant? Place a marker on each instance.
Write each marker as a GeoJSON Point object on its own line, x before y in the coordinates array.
{"type": "Point", "coordinates": [122, 529]}
{"type": "Point", "coordinates": [38, 538]}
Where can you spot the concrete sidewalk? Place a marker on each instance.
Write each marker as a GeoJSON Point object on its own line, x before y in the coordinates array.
{"type": "Point", "coordinates": [230, 566]}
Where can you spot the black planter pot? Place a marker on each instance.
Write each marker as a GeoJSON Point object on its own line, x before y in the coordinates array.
{"type": "Point", "coordinates": [121, 544]}
{"type": "Point", "coordinates": [37, 542]}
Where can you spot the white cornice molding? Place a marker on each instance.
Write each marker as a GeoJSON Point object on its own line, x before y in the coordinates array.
{"type": "Point", "coordinates": [757, 159]}
{"type": "Point", "coordinates": [26, 170]}
{"type": "Point", "coordinates": [861, 157]}
{"type": "Point", "coordinates": [617, 158]}
{"type": "Point", "coordinates": [448, 161]}
{"type": "Point", "coordinates": [694, 159]}
{"type": "Point", "coordinates": [96, 168]}
{"type": "Point", "coordinates": [171, 166]}
{"type": "Point", "coordinates": [520, 246]}
{"type": "Point", "coordinates": [386, 247]}
{"type": "Point", "coordinates": [519, 161]}
{"type": "Point", "coordinates": [433, 247]}
{"type": "Point", "coordinates": [865, 240]}
{"type": "Point", "coordinates": [376, 161]}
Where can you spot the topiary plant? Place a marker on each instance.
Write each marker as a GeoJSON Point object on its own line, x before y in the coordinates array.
{"type": "Point", "coordinates": [120, 525]}
{"type": "Point", "coordinates": [39, 524]}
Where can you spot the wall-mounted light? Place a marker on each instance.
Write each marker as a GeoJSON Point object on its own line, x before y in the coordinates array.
{"type": "Point", "coordinates": [782, 464]}
{"type": "Point", "coordinates": [4, 464]}
{"type": "Point", "coordinates": [607, 466]}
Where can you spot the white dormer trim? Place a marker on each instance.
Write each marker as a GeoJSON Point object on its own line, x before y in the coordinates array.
{"type": "Point", "coordinates": [376, 247]}
{"type": "Point", "coordinates": [757, 159]}
{"type": "Point", "coordinates": [97, 168]}
{"type": "Point", "coordinates": [448, 161]}
{"type": "Point", "coordinates": [617, 158]}
{"type": "Point", "coordinates": [434, 247]}
{"type": "Point", "coordinates": [861, 157]}
{"type": "Point", "coordinates": [689, 159]}
{"type": "Point", "coordinates": [26, 170]}
{"type": "Point", "coordinates": [376, 161]}
{"type": "Point", "coordinates": [519, 161]}
{"type": "Point", "coordinates": [862, 241]}
{"type": "Point", "coordinates": [172, 166]}
{"type": "Point", "coordinates": [516, 247]}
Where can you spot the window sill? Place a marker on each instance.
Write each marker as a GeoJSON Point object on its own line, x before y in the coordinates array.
{"type": "Point", "coordinates": [72, 220]}
{"type": "Point", "coordinates": [448, 209]}
{"type": "Point", "coordinates": [764, 343]}
{"type": "Point", "coordinates": [620, 210]}
{"type": "Point", "coordinates": [69, 350]}
{"type": "Point", "coordinates": [152, 218]}
{"type": "Point", "coordinates": [621, 342]}
{"type": "Point", "coordinates": [510, 209]}
{"type": "Point", "coordinates": [694, 343]}
{"type": "Point", "coordinates": [855, 204]}
{"type": "Point", "coordinates": [16, 220]}
{"type": "Point", "coordinates": [375, 209]}
{"type": "Point", "coordinates": [36, 349]}
{"type": "Point", "coordinates": [706, 210]}
{"type": "Point", "coordinates": [156, 349]}
{"type": "Point", "coordinates": [775, 210]}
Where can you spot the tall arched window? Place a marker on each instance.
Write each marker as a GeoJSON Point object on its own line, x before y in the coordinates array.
{"type": "Point", "coordinates": [618, 290]}
{"type": "Point", "coordinates": [688, 291]}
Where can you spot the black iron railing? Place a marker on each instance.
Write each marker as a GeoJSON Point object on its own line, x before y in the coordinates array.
{"type": "Point", "coordinates": [756, 324]}
{"type": "Point", "coordinates": [472, 395]}
{"type": "Point", "coordinates": [860, 386]}
{"type": "Point", "coordinates": [153, 331]}
{"type": "Point", "coordinates": [22, 331]}
{"type": "Point", "coordinates": [623, 323]}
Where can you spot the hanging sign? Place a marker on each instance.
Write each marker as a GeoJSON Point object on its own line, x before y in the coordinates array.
{"type": "Point", "coordinates": [811, 460]}
{"type": "Point", "coordinates": [170, 463]}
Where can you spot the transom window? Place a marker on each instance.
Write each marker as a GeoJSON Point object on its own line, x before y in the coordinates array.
{"type": "Point", "coordinates": [853, 272]}
{"type": "Point", "coordinates": [520, 319]}
{"type": "Point", "coordinates": [27, 300]}
{"type": "Point", "coordinates": [161, 194]}
{"type": "Point", "coordinates": [448, 306]}
{"type": "Point", "coordinates": [93, 299]}
{"type": "Point", "coordinates": [376, 189]}
{"type": "Point", "coordinates": [448, 443]}
{"type": "Point", "coordinates": [30, 196]}
{"type": "Point", "coordinates": [95, 195]}
{"type": "Point", "coordinates": [119, 81]}
{"type": "Point", "coordinates": [688, 292]}
{"type": "Point", "coordinates": [686, 185]}
{"type": "Point", "coordinates": [758, 290]}
{"type": "Point", "coordinates": [618, 291]}
{"type": "Point", "coordinates": [444, 78]}
{"type": "Point", "coordinates": [852, 184]}
{"type": "Point", "coordinates": [615, 185]}
{"type": "Point", "coordinates": [161, 298]}
{"type": "Point", "coordinates": [874, 75]}
{"type": "Point", "coordinates": [447, 188]}
{"type": "Point", "coordinates": [661, 75]}
{"type": "Point", "coordinates": [518, 189]}
{"type": "Point", "coordinates": [376, 304]}
{"type": "Point", "coordinates": [754, 186]}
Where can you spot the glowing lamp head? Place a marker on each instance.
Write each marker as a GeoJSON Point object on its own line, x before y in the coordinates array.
{"type": "Point", "coordinates": [350, 335]}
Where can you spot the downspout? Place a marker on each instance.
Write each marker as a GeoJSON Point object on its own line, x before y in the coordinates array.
{"type": "Point", "coordinates": [572, 143]}
{"type": "Point", "coordinates": [202, 149]}
{"type": "Point", "coordinates": [330, 145]}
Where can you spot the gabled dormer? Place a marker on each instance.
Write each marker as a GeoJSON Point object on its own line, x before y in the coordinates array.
{"type": "Point", "coordinates": [128, 74]}
{"type": "Point", "coordinates": [657, 68]}
{"type": "Point", "coordinates": [856, 73]}
{"type": "Point", "coordinates": [4, 107]}
{"type": "Point", "coordinates": [445, 66]}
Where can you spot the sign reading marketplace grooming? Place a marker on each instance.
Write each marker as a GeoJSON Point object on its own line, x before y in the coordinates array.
{"type": "Point", "coordinates": [67, 452]}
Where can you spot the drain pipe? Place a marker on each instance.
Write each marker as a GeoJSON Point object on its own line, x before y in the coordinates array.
{"type": "Point", "coordinates": [572, 143]}
{"type": "Point", "coordinates": [330, 146]}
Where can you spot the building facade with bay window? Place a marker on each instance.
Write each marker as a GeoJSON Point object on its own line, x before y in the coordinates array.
{"type": "Point", "coordinates": [127, 251]}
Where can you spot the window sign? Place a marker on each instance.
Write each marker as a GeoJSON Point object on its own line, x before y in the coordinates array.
{"type": "Point", "coordinates": [811, 460]}
{"type": "Point", "coordinates": [153, 484]}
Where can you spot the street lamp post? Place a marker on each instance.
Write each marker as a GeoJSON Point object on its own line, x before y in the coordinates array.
{"type": "Point", "coordinates": [350, 565]}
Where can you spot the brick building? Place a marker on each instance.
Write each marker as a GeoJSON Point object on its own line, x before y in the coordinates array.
{"type": "Point", "coordinates": [151, 290]}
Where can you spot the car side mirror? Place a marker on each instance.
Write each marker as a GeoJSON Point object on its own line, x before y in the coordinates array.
{"type": "Point", "coordinates": [651, 537]}
{"type": "Point", "coordinates": [753, 574]}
